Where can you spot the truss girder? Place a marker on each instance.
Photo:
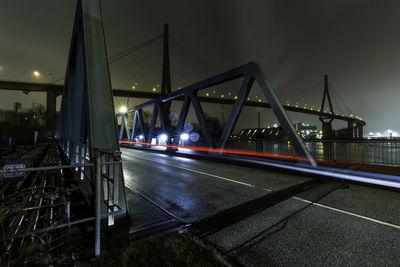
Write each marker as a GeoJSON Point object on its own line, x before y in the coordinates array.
{"type": "Point", "coordinates": [250, 73]}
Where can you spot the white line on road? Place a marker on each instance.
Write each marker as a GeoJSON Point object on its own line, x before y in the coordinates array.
{"type": "Point", "coordinates": [348, 213]}
{"type": "Point", "coordinates": [297, 198]}
{"type": "Point", "coordinates": [195, 171]}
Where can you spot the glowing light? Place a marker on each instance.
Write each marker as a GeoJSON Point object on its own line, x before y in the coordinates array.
{"type": "Point", "coordinates": [141, 137]}
{"type": "Point", "coordinates": [259, 100]}
{"type": "Point", "coordinates": [184, 136]}
{"type": "Point", "coordinates": [123, 109]}
{"type": "Point", "coordinates": [133, 87]}
{"type": "Point", "coordinates": [248, 99]}
{"type": "Point", "coordinates": [214, 92]}
{"type": "Point", "coordinates": [154, 89]}
{"type": "Point", "coordinates": [36, 73]}
{"type": "Point", "coordinates": [222, 96]}
{"type": "Point", "coordinates": [163, 137]}
{"type": "Point", "coordinates": [229, 93]}
{"type": "Point", "coordinates": [207, 94]}
{"type": "Point", "coordinates": [235, 97]}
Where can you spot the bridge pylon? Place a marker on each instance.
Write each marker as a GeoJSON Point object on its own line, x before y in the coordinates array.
{"type": "Point", "coordinates": [165, 108]}
{"type": "Point", "coordinates": [326, 120]}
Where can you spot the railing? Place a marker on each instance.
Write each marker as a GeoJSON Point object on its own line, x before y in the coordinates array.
{"type": "Point", "coordinates": [378, 152]}
{"type": "Point", "coordinates": [99, 176]}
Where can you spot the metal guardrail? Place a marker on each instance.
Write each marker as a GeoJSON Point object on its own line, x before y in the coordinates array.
{"type": "Point", "coordinates": [99, 177]}
{"type": "Point", "coordinates": [47, 168]}
{"type": "Point", "coordinates": [378, 152]}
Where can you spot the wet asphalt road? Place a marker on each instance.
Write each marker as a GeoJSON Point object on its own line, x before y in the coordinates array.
{"type": "Point", "coordinates": [348, 225]}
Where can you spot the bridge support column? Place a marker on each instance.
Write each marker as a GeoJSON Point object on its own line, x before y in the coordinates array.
{"type": "Point", "coordinates": [360, 131]}
{"type": "Point", "coordinates": [350, 129]}
{"type": "Point", "coordinates": [51, 100]}
{"type": "Point", "coordinates": [327, 130]}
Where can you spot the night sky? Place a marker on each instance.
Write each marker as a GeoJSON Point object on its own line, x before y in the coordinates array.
{"type": "Point", "coordinates": [295, 42]}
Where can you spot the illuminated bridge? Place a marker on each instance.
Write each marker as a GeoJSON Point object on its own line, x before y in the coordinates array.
{"type": "Point", "coordinates": [255, 208]}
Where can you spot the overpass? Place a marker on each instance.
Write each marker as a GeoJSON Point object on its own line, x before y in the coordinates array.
{"type": "Point", "coordinates": [355, 124]}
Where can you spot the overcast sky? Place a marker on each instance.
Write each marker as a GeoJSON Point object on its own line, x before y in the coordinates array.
{"type": "Point", "coordinates": [296, 42]}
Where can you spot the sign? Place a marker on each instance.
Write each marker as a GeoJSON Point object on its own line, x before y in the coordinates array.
{"type": "Point", "coordinates": [13, 164]}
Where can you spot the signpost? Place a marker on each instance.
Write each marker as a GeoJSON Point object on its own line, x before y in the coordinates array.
{"type": "Point", "coordinates": [12, 165]}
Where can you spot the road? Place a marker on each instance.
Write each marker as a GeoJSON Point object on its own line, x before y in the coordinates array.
{"type": "Point", "coordinates": [241, 211]}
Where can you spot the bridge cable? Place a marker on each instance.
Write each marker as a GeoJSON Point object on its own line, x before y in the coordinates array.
{"type": "Point", "coordinates": [340, 99]}
{"type": "Point", "coordinates": [124, 53]}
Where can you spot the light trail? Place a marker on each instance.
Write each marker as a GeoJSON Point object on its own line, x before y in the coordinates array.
{"type": "Point", "coordinates": [344, 174]}
{"type": "Point", "coordinates": [219, 150]}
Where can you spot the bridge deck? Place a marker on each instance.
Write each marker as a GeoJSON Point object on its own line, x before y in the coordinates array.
{"type": "Point", "coordinates": [242, 211]}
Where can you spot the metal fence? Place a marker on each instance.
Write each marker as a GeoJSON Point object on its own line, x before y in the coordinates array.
{"type": "Point", "coordinates": [378, 152]}
{"type": "Point", "coordinates": [99, 177]}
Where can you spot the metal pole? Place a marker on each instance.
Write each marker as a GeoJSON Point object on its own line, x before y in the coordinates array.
{"type": "Point", "coordinates": [47, 168]}
{"type": "Point", "coordinates": [97, 206]}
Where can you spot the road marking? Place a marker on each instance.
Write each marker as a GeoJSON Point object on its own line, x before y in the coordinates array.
{"type": "Point", "coordinates": [348, 213]}
{"type": "Point", "coordinates": [297, 198]}
{"type": "Point", "coordinates": [195, 171]}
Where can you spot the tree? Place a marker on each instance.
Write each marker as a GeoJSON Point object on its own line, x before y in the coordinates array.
{"type": "Point", "coordinates": [215, 126]}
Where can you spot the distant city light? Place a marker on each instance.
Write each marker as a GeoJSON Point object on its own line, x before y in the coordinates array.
{"type": "Point", "coordinates": [386, 134]}
{"type": "Point", "coordinates": [235, 97]}
{"type": "Point", "coordinates": [133, 87]}
{"type": "Point", "coordinates": [36, 73]}
{"type": "Point", "coordinates": [123, 109]}
{"type": "Point", "coordinates": [154, 89]}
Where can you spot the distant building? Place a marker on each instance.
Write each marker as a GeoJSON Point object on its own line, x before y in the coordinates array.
{"type": "Point", "coordinates": [37, 111]}
{"type": "Point", "coordinates": [306, 130]}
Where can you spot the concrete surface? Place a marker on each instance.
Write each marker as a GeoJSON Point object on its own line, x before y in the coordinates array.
{"type": "Point", "coordinates": [332, 224]}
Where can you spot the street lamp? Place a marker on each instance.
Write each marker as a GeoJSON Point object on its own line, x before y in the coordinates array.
{"type": "Point", "coordinates": [184, 136]}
